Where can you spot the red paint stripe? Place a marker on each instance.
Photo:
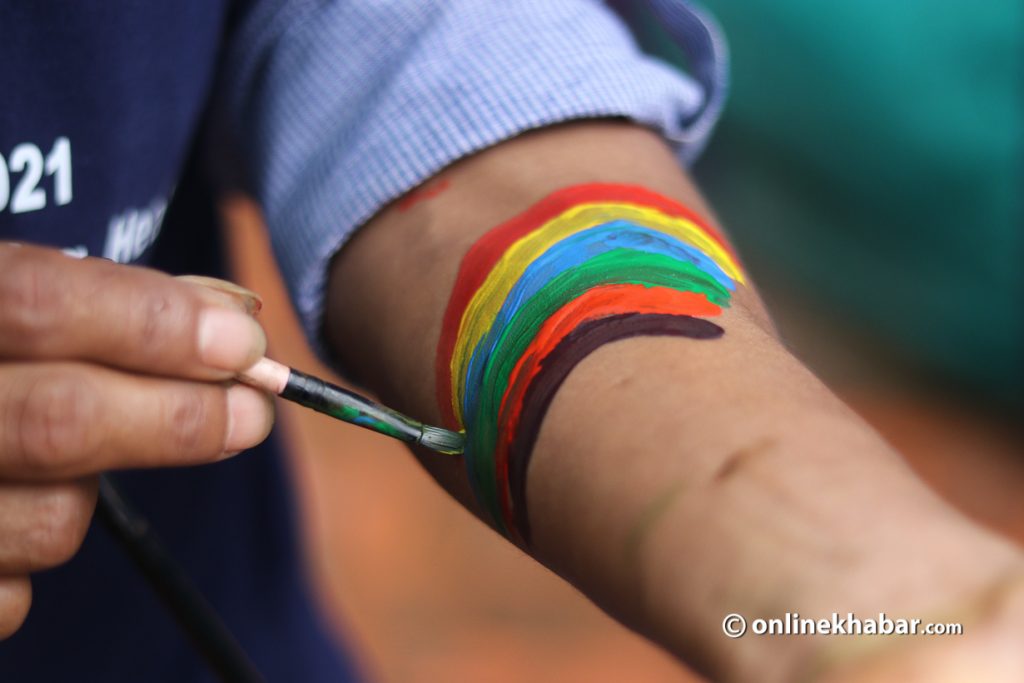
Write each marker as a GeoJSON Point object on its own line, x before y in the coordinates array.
{"type": "Point", "coordinates": [558, 366]}
{"type": "Point", "coordinates": [485, 252]}
{"type": "Point", "coordinates": [599, 302]}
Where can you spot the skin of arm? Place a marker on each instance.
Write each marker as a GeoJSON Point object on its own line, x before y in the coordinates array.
{"type": "Point", "coordinates": [675, 482]}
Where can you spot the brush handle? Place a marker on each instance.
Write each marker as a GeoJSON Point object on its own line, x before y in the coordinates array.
{"type": "Point", "coordinates": [332, 400]}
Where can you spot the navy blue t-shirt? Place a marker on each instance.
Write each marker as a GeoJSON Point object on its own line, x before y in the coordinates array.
{"type": "Point", "coordinates": [100, 105]}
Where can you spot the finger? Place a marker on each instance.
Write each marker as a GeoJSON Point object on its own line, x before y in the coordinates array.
{"type": "Point", "coordinates": [43, 525]}
{"type": "Point", "coordinates": [63, 420]}
{"type": "Point", "coordinates": [54, 307]}
{"type": "Point", "coordinates": [15, 599]}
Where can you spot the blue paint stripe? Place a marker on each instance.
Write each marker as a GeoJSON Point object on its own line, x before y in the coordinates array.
{"type": "Point", "coordinates": [565, 255]}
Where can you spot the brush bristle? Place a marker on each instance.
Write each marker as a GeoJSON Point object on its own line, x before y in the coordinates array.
{"type": "Point", "coordinates": [443, 440]}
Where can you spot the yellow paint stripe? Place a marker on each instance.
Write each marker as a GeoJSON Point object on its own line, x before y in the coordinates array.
{"type": "Point", "coordinates": [483, 308]}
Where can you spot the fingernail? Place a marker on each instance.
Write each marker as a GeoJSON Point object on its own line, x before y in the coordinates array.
{"type": "Point", "coordinates": [250, 416]}
{"type": "Point", "coordinates": [229, 339]}
{"type": "Point", "coordinates": [247, 299]}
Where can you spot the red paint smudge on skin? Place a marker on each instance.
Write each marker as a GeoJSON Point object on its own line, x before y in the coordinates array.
{"type": "Point", "coordinates": [424, 193]}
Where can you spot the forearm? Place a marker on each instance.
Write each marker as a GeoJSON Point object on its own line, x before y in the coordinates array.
{"type": "Point", "coordinates": [754, 493]}
{"type": "Point", "coordinates": [674, 482]}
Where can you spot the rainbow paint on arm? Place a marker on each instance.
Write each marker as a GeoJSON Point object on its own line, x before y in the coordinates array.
{"type": "Point", "coordinates": [585, 266]}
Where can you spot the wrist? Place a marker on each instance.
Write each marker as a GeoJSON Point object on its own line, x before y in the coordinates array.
{"type": "Point", "coordinates": [801, 509]}
{"type": "Point", "coordinates": [986, 621]}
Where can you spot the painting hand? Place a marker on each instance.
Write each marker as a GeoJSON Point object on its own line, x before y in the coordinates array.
{"type": "Point", "coordinates": [105, 366]}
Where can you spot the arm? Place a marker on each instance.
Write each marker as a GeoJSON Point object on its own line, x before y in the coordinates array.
{"type": "Point", "coordinates": [673, 482]}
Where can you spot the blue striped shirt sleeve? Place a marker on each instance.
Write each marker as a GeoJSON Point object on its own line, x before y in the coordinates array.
{"type": "Point", "coordinates": [340, 107]}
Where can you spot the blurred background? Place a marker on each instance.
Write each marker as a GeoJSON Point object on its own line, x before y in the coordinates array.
{"type": "Point", "coordinates": [870, 166]}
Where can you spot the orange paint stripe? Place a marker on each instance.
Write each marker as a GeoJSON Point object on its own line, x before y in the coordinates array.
{"type": "Point", "coordinates": [599, 302]}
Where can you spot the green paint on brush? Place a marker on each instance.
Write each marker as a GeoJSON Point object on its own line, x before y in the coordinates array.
{"type": "Point", "coordinates": [347, 406]}
{"type": "Point", "coordinates": [359, 417]}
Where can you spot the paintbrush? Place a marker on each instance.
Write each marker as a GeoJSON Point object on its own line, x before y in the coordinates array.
{"type": "Point", "coordinates": [330, 399]}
